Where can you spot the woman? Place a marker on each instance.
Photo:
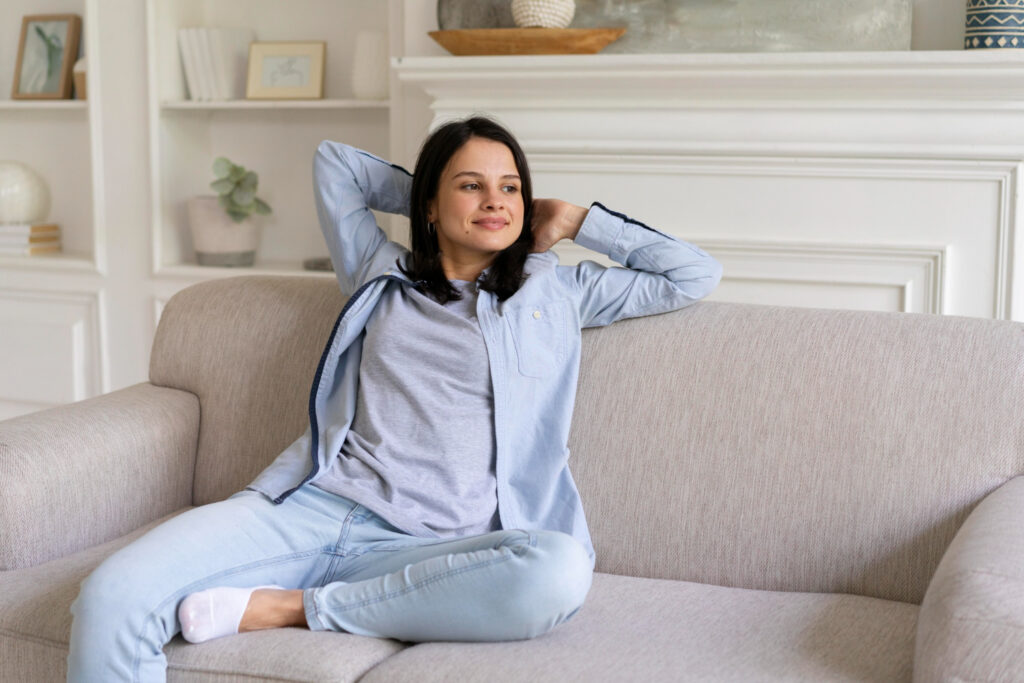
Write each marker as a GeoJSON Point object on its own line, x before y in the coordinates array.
{"type": "Point", "coordinates": [430, 498]}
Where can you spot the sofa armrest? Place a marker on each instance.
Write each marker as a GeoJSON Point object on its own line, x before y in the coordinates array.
{"type": "Point", "coordinates": [84, 473]}
{"type": "Point", "coordinates": [971, 623]}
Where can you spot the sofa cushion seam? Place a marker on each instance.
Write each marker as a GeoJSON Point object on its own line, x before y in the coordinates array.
{"type": "Point", "coordinates": [230, 672]}
{"type": "Point", "coordinates": [33, 639]}
{"type": "Point", "coordinates": [988, 572]}
{"type": "Point", "coordinates": [993, 622]}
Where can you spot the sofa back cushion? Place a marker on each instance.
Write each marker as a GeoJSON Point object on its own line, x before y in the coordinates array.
{"type": "Point", "coordinates": [793, 449]}
{"type": "Point", "coordinates": [248, 347]}
{"type": "Point", "coordinates": [750, 446]}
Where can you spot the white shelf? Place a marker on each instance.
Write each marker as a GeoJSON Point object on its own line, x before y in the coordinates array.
{"type": "Point", "coordinates": [49, 105]}
{"type": "Point", "coordinates": [67, 262]}
{"type": "Point", "coordinates": [196, 272]}
{"type": "Point", "coordinates": [275, 104]}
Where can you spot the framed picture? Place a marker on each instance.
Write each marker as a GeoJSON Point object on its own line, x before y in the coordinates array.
{"type": "Point", "coordinates": [46, 55]}
{"type": "Point", "coordinates": [286, 71]}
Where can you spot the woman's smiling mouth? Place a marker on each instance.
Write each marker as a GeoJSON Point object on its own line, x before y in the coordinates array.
{"type": "Point", "coordinates": [491, 223]}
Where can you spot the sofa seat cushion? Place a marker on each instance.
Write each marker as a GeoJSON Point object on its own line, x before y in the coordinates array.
{"type": "Point", "coordinates": [637, 629]}
{"type": "Point", "coordinates": [35, 625]}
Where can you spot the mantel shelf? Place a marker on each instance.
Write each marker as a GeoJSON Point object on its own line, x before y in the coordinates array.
{"type": "Point", "coordinates": [761, 61]}
{"type": "Point", "coordinates": [274, 104]}
{"type": "Point", "coordinates": [967, 76]}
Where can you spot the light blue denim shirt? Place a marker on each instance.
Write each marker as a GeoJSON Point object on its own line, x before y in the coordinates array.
{"type": "Point", "coordinates": [532, 338]}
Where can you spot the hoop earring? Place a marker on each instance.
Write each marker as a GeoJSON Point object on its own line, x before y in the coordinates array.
{"type": "Point", "coordinates": [430, 228]}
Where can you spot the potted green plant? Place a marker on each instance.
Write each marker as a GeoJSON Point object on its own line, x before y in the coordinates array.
{"type": "Point", "coordinates": [223, 230]}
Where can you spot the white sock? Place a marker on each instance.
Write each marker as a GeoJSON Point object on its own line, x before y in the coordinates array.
{"type": "Point", "coordinates": [214, 613]}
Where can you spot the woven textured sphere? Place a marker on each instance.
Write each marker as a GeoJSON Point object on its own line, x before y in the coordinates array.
{"type": "Point", "coordinates": [24, 196]}
{"type": "Point", "coordinates": [543, 13]}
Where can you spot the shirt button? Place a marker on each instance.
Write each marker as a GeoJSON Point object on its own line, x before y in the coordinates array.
{"type": "Point", "coordinates": [536, 315]}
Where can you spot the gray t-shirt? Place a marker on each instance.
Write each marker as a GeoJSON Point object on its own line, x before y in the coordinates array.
{"type": "Point", "coordinates": [420, 451]}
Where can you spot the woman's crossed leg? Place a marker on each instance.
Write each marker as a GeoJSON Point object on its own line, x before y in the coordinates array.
{"type": "Point", "coordinates": [343, 568]}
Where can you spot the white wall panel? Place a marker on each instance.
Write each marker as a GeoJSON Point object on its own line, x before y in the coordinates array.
{"type": "Point", "coordinates": [872, 234]}
{"type": "Point", "coordinates": [55, 337]}
{"type": "Point", "coordinates": [872, 277]}
{"type": "Point", "coordinates": [859, 277]}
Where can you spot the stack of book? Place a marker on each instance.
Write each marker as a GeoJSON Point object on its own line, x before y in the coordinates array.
{"type": "Point", "coordinates": [216, 61]}
{"type": "Point", "coordinates": [26, 239]}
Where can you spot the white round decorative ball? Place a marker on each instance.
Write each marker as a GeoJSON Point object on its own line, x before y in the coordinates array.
{"type": "Point", "coordinates": [543, 13]}
{"type": "Point", "coordinates": [24, 196]}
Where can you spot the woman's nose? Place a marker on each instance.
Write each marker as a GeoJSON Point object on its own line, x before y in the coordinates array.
{"type": "Point", "coordinates": [494, 199]}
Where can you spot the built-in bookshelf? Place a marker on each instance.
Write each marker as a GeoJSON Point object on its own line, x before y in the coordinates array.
{"type": "Point", "coordinates": [274, 138]}
{"type": "Point", "coordinates": [57, 139]}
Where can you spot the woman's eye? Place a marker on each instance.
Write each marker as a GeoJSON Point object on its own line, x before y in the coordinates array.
{"type": "Point", "coordinates": [508, 189]}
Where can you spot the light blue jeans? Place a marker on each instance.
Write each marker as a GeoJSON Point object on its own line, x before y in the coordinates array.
{"type": "Point", "coordinates": [360, 575]}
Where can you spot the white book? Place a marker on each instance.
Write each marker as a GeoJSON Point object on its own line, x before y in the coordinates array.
{"type": "Point", "coordinates": [192, 38]}
{"type": "Point", "coordinates": [240, 42]}
{"type": "Point", "coordinates": [218, 41]}
{"type": "Point", "coordinates": [231, 59]}
{"type": "Point", "coordinates": [202, 88]}
{"type": "Point", "coordinates": [188, 63]}
{"type": "Point", "coordinates": [26, 229]}
{"type": "Point", "coordinates": [206, 75]}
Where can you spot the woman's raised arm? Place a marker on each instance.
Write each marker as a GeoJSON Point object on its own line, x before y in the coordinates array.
{"type": "Point", "coordinates": [348, 183]}
{"type": "Point", "coordinates": [661, 273]}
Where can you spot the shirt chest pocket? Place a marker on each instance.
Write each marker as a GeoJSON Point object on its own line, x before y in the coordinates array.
{"type": "Point", "coordinates": [541, 337]}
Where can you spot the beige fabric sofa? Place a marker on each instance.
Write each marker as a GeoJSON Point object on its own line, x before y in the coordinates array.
{"type": "Point", "coordinates": [774, 494]}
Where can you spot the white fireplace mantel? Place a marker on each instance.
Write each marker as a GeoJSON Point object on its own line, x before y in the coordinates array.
{"type": "Point", "coordinates": [989, 75]}
{"type": "Point", "coordinates": [813, 175]}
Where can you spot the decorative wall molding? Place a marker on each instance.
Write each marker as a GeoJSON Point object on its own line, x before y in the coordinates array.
{"type": "Point", "coordinates": [880, 124]}
{"type": "Point", "coordinates": [916, 274]}
{"type": "Point", "coordinates": [59, 336]}
{"type": "Point", "coordinates": [1004, 175]}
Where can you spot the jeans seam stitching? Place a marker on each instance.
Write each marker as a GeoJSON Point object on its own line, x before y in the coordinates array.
{"type": "Point", "coordinates": [339, 551]}
{"type": "Point", "coordinates": [431, 579]}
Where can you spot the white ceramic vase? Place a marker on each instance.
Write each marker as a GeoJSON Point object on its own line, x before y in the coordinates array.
{"type": "Point", "coordinates": [370, 66]}
{"type": "Point", "coordinates": [543, 13]}
{"type": "Point", "coordinates": [217, 239]}
{"type": "Point", "coordinates": [24, 195]}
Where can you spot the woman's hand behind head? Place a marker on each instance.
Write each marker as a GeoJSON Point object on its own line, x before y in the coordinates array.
{"type": "Point", "coordinates": [555, 220]}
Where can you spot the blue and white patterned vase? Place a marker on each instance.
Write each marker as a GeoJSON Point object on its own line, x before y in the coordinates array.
{"type": "Point", "coordinates": [994, 24]}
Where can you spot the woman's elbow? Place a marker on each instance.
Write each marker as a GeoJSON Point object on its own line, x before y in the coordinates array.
{"type": "Point", "coordinates": [700, 280]}
{"type": "Point", "coordinates": [716, 275]}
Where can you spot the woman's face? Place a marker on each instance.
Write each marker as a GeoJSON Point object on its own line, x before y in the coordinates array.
{"type": "Point", "coordinates": [478, 210]}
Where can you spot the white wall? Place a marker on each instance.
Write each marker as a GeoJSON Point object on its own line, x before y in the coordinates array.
{"type": "Point", "coordinates": [108, 315]}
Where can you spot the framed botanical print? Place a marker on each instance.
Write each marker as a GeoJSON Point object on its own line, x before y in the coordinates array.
{"type": "Point", "coordinates": [46, 55]}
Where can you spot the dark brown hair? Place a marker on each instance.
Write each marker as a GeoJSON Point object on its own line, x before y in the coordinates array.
{"type": "Point", "coordinates": [505, 275]}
